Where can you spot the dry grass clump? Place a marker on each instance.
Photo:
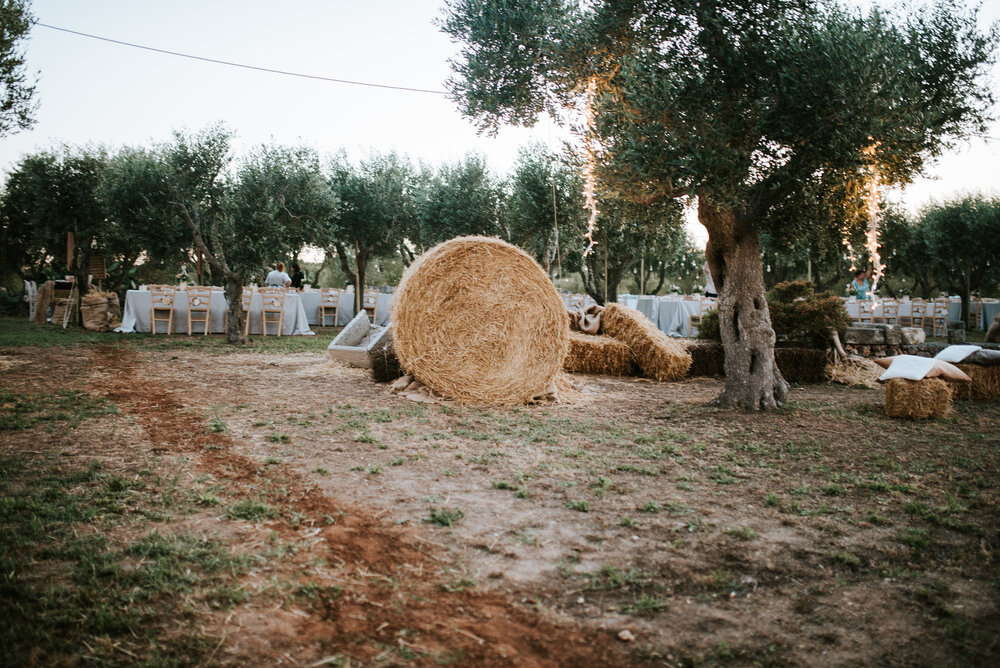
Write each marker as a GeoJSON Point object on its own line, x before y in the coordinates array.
{"type": "Point", "coordinates": [854, 371]}
{"type": "Point", "coordinates": [477, 320]}
{"type": "Point", "coordinates": [917, 399]}
{"type": "Point", "coordinates": [985, 383]}
{"type": "Point", "coordinates": [659, 356]}
{"type": "Point", "coordinates": [589, 353]}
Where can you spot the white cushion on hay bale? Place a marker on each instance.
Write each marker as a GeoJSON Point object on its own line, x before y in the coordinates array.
{"type": "Point", "coordinates": [477, 320]}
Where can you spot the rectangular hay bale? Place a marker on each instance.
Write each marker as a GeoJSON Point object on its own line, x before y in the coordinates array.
{"type": "Point", "coordinates": [917, 399]}
{"type": "Point", "coordinates": [592, 353]}
{"type": "Point", "coordinates": [657, 355]}
{"type": "Point", "coordinates": [985, 383]}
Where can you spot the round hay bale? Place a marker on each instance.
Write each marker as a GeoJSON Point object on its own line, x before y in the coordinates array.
{"type": "Point", "coordinates": [477, 320]}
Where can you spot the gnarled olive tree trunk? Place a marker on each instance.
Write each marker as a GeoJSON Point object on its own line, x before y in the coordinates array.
{"type": "Point", "coordinates": [753, 380]}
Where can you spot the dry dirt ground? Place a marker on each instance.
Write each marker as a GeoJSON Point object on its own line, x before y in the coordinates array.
{"type": "Point", "coordinates": [327, 522]}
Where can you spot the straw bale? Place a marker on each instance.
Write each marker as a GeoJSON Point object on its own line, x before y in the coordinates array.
{"type": "Point", "coordinates": [801, 365]}
{"type": "Point", "coordinates": [590, 353]}
{"type": "Point", "coordinates": [477, 320]}
{"type": "Point", "coordinates": [659, 356]}
{"type": "Point", "coordinates": [854, 371]}
{"type": "Point", "coordinates": [985, 383]}
{"type": "Point", "coordinates": [917, 399]}
{"type": "Point", "coordinates": [707, 358]}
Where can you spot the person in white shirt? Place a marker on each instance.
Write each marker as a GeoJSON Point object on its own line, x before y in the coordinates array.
{"type": "Point", "coordinates": [277, 278]}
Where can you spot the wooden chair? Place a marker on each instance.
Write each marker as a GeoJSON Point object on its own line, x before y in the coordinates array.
{"type": "Point", "coordinates": [975, 311]}
{"type": "Point", "coordinates": [199, 305]}
{"type": "Point", "coordinates": [864, 311]}
{"type": "Point", "coordinates": [939, 316]}
{"type": "Point", "coordinates": [329, 305]}
{"type": "Point", "coordinates": [705, 304]}
{"type": "Point", "coordinates": [369, 302]}
{"type": "Point", "coordinates": [886, 312]}
{"type": "Point", "coordinates": [272, 303]}
{"type": "Point", "coordinates": [161, 301]}
{"type": "Point", "coordinates": [918, 311]}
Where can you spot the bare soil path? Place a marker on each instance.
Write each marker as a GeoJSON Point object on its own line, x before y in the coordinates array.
{"type": "Point", "coordinates": [366, 529]}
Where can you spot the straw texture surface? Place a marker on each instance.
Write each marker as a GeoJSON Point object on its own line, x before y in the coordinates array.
{"type": "Point", "coordinates": [659, 356]}
{"type": "Point", "coordinates": [985, 383]}
{"type": "Point", "coordinates": [927, 398]}
{"type": "Point", "coordinates": [589, 353]}
{"type": "Point", "coordinates": [477, 320]}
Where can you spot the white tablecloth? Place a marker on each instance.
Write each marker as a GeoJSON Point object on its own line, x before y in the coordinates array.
{"type": "Point", "coordinates": [135, 316]}
{"type": "Point", "coordinates": [674, 315]}
{"type": "Point", "coordinates": [310, 302]}
{"type": "Point", "coordinates": [906, 309]}
{"type": "Point", "coordinates": [990, 311]}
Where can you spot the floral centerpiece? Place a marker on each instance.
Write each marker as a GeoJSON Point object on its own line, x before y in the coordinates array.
{"type": "Point", "coordinates": [182, 277]}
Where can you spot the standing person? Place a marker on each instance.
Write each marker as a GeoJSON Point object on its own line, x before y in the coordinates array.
{"type": "Point", "coordinates": [860, 285]}
{"type": "Point", "coordinates": [278, 278]}
{"type": "Point", "coordinates": [709, 283]}
{"type": "Point", "coordinates": [297, 276]}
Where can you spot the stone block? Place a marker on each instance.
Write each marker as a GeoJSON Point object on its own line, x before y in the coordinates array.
{"type": "Point", "coordinates": [355, 343]}
{"type": "Point", "coordinates": [893, 335]}
{"type": "Point", "coordinates": [865, 336]}
{"type": "Point", "coordinates": [913, 335]}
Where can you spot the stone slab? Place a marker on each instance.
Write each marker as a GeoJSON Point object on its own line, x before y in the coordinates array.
{"type": "Point", "coordinates": [356, 342]}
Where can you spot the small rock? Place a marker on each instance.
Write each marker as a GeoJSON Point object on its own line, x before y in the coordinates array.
{"type": "Point", "coordinates": [581, 600]}
{"type": "Point", "coordinates": [626, 635]}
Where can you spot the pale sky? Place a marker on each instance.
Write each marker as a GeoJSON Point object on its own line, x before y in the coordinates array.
{"type": "Point", "coordinates": [97, 92]}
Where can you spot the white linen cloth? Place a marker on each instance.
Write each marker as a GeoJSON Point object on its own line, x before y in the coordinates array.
{"type": "Point", "coordinates": [135, 316]}
{"type": "Point", "coordinates": [956, 354]}
{"type": "Point", "coordinates": [674, 315]}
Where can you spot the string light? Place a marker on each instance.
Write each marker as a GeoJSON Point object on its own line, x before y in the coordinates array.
{"type": "Point", "coordinates": [872, 203]}
{"type": "Point", "coordinates": [589, 167]}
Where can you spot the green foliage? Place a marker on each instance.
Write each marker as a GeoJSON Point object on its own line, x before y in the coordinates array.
{"type": "Point", "coordinates": [17, 109]}
{"type": "Point", "coordinates": [788, 292]}
{"type": "Point", "coordinates": [445, 517]}
{"type": "Point", "coordinates": [708, 328]}
{"type": "Point", "coordinates": [812, 319]}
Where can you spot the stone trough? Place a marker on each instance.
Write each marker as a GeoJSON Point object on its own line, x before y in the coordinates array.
{"type": "Point", "coordinates": [356, 343]}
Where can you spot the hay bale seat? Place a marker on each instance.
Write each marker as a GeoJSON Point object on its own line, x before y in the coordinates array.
{"type": "Point", "coordinates": [592, 353]}
{"type": "Point", "coordinates": [477, 320]}
{"type": "Point", "coordinates": [657, 355]}
{"type": "Point", "coordinates": [985, 383]}
{"type": "Point", "coordinates": [918, 399]}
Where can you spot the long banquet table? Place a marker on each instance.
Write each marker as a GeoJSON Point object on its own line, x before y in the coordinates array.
{"type": "Point", "coordinates": [135, 315]}
{"type": "Point", "coordinates": [990, 311]}
{"type": "Point", "coordinates": [310, 302]}
{"type": "Point", "coordinates": [906, 308]}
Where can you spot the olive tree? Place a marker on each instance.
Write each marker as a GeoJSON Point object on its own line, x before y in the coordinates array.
{"type": "Point", "coordinates": [738, 103]}
{"type": "Point", "coordinates": [272, 203]}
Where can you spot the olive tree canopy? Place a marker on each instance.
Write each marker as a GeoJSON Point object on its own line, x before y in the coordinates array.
{"type": "Point", "coordinates": [741, 104]}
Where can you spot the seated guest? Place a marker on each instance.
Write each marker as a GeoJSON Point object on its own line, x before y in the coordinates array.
{"type": "Point", "coordinates": [297, 276]}
{"type": "Point", "coordinates": [278, 278]}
